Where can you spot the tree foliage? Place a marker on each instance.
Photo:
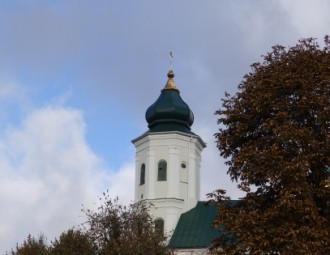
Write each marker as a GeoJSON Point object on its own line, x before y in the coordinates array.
{"type": "Point", "coordinates": [111, 229]}
{"type": "Point", "coordinates": [275, 134]}
{"type": "Point", "coordinates": [116, 229]}
{"type": "Point", "coordinates": [32, 246]}
{"type": "Point", "coordinates": [72, 242]}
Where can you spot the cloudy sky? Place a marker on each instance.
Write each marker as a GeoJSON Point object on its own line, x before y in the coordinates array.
{"type": "Point", "coordinates": [77, 76]}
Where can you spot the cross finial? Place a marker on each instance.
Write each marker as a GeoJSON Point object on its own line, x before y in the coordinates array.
{"type": "Point", "coordinates": [171, 60]}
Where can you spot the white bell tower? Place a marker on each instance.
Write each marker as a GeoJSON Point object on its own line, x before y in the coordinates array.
{"type": "Point", "coordinates": [168, 159]}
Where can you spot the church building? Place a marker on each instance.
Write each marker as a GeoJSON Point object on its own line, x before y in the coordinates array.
{"type": "Point", "coordinates": [168, 169]}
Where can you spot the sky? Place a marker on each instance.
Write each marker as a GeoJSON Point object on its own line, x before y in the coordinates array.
{"type": "Point", "coordinates": [77, 76]}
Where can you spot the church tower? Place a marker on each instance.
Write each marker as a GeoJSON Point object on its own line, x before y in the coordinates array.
{"type": "Point", "coordinates": [168, 159]}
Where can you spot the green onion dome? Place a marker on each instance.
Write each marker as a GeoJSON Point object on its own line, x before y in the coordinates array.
{"type": "Point", "coordinates": [169, 112]}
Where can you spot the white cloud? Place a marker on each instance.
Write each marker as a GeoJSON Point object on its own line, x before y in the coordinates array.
{"type": "Point", "coordinates": [47, 172]}
{"type": "Point", "coordinates": [213, 170]}
{"type": "Point", "coordinates": [122, 183]}
{"type": "Point", "coordinates": [310, 18]}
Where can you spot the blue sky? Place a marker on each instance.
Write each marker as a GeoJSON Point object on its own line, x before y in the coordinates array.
{"type": "Point", "coordinates": [76, 78]}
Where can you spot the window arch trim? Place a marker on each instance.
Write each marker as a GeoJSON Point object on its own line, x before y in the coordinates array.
{"type": "Point", "coordinates": [162, 171]}
{"type": "Point", "coordinates": [159, 226]}
{"type": "Point", "coordinates": [142, 174]}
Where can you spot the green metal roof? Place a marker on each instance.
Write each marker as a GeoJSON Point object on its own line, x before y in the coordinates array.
{"type": "Point", "coordinates": [194, 229]}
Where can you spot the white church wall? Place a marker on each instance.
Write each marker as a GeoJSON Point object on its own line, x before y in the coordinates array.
{"type": "Point", "coordinates": [182, 153]}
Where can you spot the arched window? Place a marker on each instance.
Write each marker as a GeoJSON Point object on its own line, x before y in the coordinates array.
{"type": "Point", "coordinates": [143, 174]}
{"type": "Point", "coordinates": [162, 169]}
{"type": "Point", "coordinates": [159, 226]}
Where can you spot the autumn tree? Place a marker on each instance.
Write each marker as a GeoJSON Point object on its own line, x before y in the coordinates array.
{"type": "Point", "coordinates": [111, 229]}
{"type": "Point", "coordinates": [72, 242]}
{"type": "Point", "coordinates": [275, 134]}
{"type": "Point", "coordinates": [31, 246]}
{"type": "Point", "coordinates": [117, 229]}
